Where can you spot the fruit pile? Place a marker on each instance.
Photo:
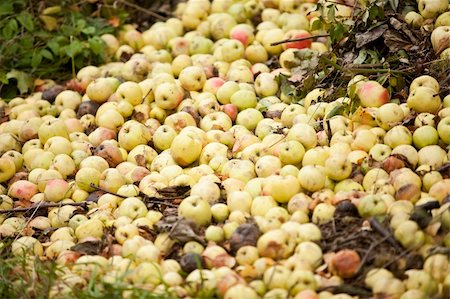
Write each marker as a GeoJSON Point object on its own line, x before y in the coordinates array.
{"type": "Point", "coordinates": [185, 167]}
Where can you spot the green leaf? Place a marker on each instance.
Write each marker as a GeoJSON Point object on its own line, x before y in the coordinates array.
{"type": "Point", "coordinates": [27, 42]}
{"type": "Point", "coordinates": [24, 80]}
{"type": "Point", "coordinates": [6, 8]}
{"type": "Point", "coordinates": [362, 55]}
{"type": "Point", "coordinates": [46, 54]}
{"type": "Point", "coordinates": [11, 29]}
{"type": "Point", "coordinates": [88, 30]}
{"type": "Point", "coordinates": [36, 60]}
{"type": "Point", "coordinates": [331, 12]}
{"type": "Point", "coordinates": [26, 20]}
{"type": "Point", "coordinates": [54, 46]}
{"type": "Point", "coordinates": [376, 12]}
{"type": "Point", "coordinates": [81, 24]}
{"type": "Point", "coordinates": [73, 48]}
{"type": "Point", "coordinates": [96, 44]}
{"type": "Point", "coordinates": [317, 24]}
{"type": "Point", "coordinates": [337, 32]}
{"type": "Point", "coordinates": [3, 78]}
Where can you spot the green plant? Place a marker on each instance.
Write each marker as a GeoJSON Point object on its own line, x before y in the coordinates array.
{"type": "Point", "coordinates": [50, 42]}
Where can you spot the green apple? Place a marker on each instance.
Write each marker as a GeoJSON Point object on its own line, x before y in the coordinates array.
{"type": "Point", "coordinates": [424, 99]}
{"type": "Point", "coordinates": [424, 136]}
{"type": "Point", "coordinates": [196, 209]}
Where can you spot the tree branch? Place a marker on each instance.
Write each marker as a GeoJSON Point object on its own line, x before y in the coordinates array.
{"type": "Point", "coordinates": [298, 39]}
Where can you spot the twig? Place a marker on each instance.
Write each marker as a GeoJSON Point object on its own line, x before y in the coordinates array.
{"type": "Point", "coordinates": [366, 256]}
{"type": "Point", "coordinates": [161, 202]}
{"type": "Point", "coordinates": [368, 65]}
{"type": "Point", "coordinates": [44, 206]}
{"type": "Point", "coordinates": [151, 200]}
{"type": "Point", "coordinates": [375, 71]}
{"type": "Point", "coordinates": [375, 225]}
{"type": "Point", "coordinates": [298, 39]}
{"type": "Point", "coordinates": [106, 191]}
{"type": "Point", "coordinates": [147, 11]}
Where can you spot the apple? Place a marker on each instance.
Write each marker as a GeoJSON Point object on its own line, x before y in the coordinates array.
{"type": "Point", "coordinates": [58, 145]}
{"type": "Point", "coordinates": [206, 190]}
{"type": "Point", "coordinates": [242, 33]}
{"type": "Point", "coordinates": [7, 169]}
{"type": "Point", "coordinates": [291, 152]}
{"type": "Point", "coordinates": [240, 291]}
{"type": "Point", "coordinates": [338, 167]}
{"type": "Point", "coordinates": [163, 137]}
{"type": "Point", "coordinates": [22, 190]}
{"type": "Point", "coordinates": [168, 95]}
{"type": "Point", "coordinates": [196, 209]}
{"type": "Point", "coordinates": [424, 99]}
{"type": "Point", "coordinates": [256, 53]}
{"type": "Point", "coordinates": [265, 85]}
{"type": "Point", "coordinates": [372, 94]}
{"type": "Point", "coordinates": [421, 280]}
{"type": "Point", "coordinates": [111, 180]}
{"type": "Point", "coordinates": [87, 176]}
{"type": "Point", "coordinates": [132, 207]}
{"type": "Point", "coordinates": [132, 134]}
{"type": "Point", "coordinates": [275, 244]}
{"type": "Point", "coordinates": [440, 38]}
{"type": "Point", "coordinates": [51, 128]}
{"type": "Point", "coordinates": [213, 84]}
{"type": "Point", "coordinates": [311, 178]}
{"type": "Point", "coordinates": [57, 190]}
{"type": "Point", "coordinates": [67, 99]}
{"type": "Point", "coordinates": [389, 115]}
{"type": "Point", "coordinates": [424, 136]}
{"type": "Point", "coordinates": [276, 187]}
{"type": "Point", "coordinates": [216, 121]}
{"type": "Point", "coordinates": [431, 9]}
{"type": "Point", "coordinates": [186, 148]}
{"type": "Point", "coordinates": [59, 217]}
{"type": "Point", "coordinates": [363, 140]}
{"type": "Point", "coordinates": [101, 89]}
{"type": "Point", "coordinates": [27, 245]}
{"type": "Point", "coordinates": [221, 25]}
{"type": "Point", "coordinates": [414, 19]}
{"type": "Point", "coordinates": [29, 129]}
{"type": "Point", "coordinates": [437, 266]}
{"type": "Point", "coordinates": [272, 36]}
{"type": "Point", "coordinates": [443, 129]}
{"type": "Point", "coordinates": [398, 135]}
{"type": "Point", "coordinates": [240, 74]}
{"type": "Point", "coordinates": [192, 78]}
{"type": "Point", "coordinates": [432, 155]}
{"type": "Point", "coordinates": [298, 34]}
{"type": "Point", "coordinates": [409, 234]}
{"type": "Point", "coordinates": [303, 133]}
{"type": "Point", "coordinates": [424, 81]}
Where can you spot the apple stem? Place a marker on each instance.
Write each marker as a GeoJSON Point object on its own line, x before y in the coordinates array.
{"type": "Point", "coordinates": [298, 39]}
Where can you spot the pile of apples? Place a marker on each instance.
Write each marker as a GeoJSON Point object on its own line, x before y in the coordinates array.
{"type": "Point", "coordinates": [196, 105]}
